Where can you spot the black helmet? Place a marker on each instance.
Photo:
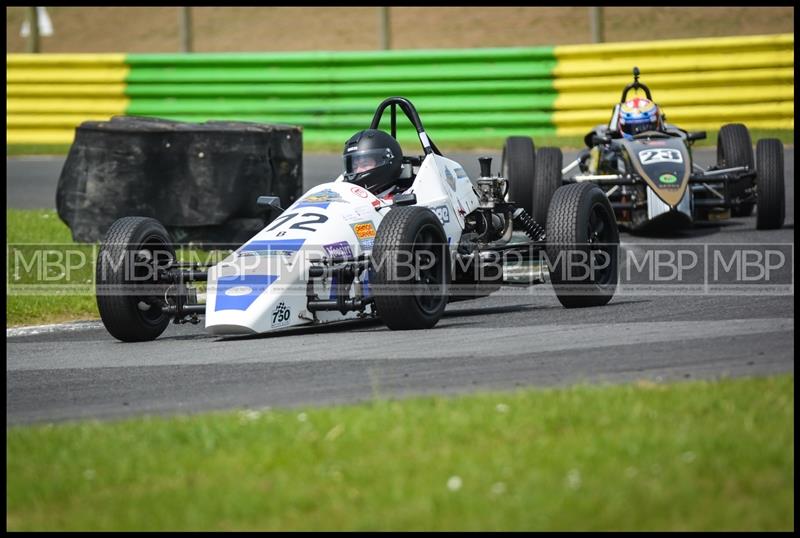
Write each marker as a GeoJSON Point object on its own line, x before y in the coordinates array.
{"type": "Point", "coordinates": [372, 159]}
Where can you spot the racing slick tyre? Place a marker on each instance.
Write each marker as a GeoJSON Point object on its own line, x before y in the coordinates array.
{"type": "Point", "coordinates": [518, 166]}
{"type": "Point", "coordinates": [735, 148]}
{"type": "Point", "coordinates": [549, 162]}
{"type": "Point", "coordinates": [582, 246]}
{"type": "Point", "coordinates": [132, 249]}
{"type": "Point", "coordinates": [770, 185]}
{"type": "Point", "coordinates": [412, 268]}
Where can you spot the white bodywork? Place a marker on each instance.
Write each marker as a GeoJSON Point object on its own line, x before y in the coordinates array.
{"type": "Point", "coordinates": [262, 286]}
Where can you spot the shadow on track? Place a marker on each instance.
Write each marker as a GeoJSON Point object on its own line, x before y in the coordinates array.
{"type": "Point", "coordinates": [355, 325]}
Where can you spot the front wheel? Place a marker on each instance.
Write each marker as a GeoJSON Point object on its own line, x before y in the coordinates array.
{"type": "Point", "coordinates": [735, 148]}
{"type": "Point", "coordinates": [412, 268]}
{"type": "Point", "coordinates": [582, 246]}
{"type": "Point", "coordinates": [771, 188]}
{"type": "Point", "coordinates": [128, 296]}
{"type": "Point", "coordinates": [547, 180]}
{"type": "Point", "coordinates": [518, 166]}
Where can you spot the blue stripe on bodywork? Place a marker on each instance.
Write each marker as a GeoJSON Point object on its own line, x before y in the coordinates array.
{"type": "Point", "coordinates": [301, 203]}
{"type": "Point", "coordinates": [273, 246]}
{"type": "Point", "coordinates": [334, 287]}
{"type": "Point", "coordinates": [257, 284]}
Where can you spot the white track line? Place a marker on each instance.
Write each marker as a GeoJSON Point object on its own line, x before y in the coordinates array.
{"type": "Point", "coordinates": [56, 327]}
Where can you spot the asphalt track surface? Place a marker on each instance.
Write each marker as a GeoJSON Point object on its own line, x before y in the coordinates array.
{"type": "Point", "coordinates": [515, 338]}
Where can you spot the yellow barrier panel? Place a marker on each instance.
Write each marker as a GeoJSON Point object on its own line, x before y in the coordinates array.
{"type": "Point", "coordinates": [43, 60]}
{"type": "Point", "coordinates": [68, 121]}
{"type": "Point", "coordinates": [114, 89]}
{"type": "Point", "coordinates": [675, 97]}
{"type": "Point", "coordinates": [773, 115]}
{"type": "Point", "coordinates": [700, 83]}
{"type": "Point", "coordinates": [765, 76]}
{"type": "Point", "coordinates": [587, 67]}
{"type": "Point", "coordinates": [40, 136]}
{"type": "Point", "coordinates": [48, 95]}
{"type": "Point", "coordinates": [67, 106]}
{"type": "Point", "coordinates": [61, 74]}
{"type": "Point", "coordinates": [685, 46]}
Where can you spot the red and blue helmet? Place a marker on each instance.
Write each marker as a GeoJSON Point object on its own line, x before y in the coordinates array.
{"type": "Point", "coordinates": [638, 115]}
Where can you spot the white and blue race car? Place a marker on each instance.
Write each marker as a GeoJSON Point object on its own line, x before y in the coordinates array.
{"type": "Point", "coordinates": [340, 252]}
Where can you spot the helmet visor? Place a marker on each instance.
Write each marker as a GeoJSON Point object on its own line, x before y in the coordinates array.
{"type": "Point", "coordinates": [366, 160]}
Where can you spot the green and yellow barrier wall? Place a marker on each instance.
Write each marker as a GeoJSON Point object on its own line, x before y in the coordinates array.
{"type": "Point", "coordinates": [472, 94]}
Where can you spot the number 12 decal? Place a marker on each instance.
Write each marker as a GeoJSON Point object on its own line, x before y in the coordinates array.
{"type": "Point", "coordinates": [314, 218]}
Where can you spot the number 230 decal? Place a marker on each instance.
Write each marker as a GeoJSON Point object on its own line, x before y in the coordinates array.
{"type": "Point", "coordinates": [652, 156]}
{"type": "Point", "coordinates": [313, 218]}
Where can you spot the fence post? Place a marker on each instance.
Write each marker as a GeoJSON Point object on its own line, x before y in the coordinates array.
{"type": "Point", "coordinates": [383, 15]}
{"type": "Point", "coordinates": [186, 29]}
{"type": "Point", "coordinates": [596, 15]}
{"type": "Point", "coordinates": [33, 36]}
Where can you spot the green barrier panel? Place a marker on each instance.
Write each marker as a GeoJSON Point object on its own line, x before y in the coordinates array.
{"type": "Point", "coordinates": [344, 89]}
{"type": "Point", "coordinates": [422, 72]}
{"type": "Point", "coordinates": [361, 121]}
{"type": "Point", "coordinates": [327, 58]}
{"type": "Point", "coordinates": [461, 95]}
{"type": "Point", "coordinates": [424, 104]}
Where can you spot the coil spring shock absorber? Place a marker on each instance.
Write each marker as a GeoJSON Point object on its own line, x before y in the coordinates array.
{"type": "Point", "coordinates": [531, 228]}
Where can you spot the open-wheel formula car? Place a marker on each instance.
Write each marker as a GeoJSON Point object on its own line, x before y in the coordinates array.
{"type": "Point", "coordinates": [645, 167]}
{"type": "Point", "coordinates": [358, 247]}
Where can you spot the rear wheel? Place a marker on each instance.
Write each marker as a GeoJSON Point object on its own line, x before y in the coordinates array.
{"type": "Point", "coordinates": [518, 166]}
{"type": "Point", "coordinates": [549, 162]}
{"type": "Point", "coordinates": [412, 271]}
{"type": "Point", "coordinates": [582, 246]}
{"type": "Point", "coordinates": [735, 148]}
{"type": "Point", "coordinates": [771, 188]}
{"type": "Point", "coordinates": [128, 296]}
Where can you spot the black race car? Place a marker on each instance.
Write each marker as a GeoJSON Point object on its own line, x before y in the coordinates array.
{"type": "Point", "coordinates": [650, 177]}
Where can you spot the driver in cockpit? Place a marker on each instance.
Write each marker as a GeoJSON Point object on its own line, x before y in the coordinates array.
{"type": "Point", "coordinates": [373, 160]}
{"type": "Point", "coordinates": [638, 115]}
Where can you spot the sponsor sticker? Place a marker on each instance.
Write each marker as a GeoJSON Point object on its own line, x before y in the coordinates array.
{"type": "Point", "coordinates": [358, 191]}
{"type": "Point", "coordinates": [341, 249]}
{"type": "Point", "coordinates": [667, 178]}
{"type": "Point", "coordinates": [443, 212]}
{"type": "Point", "coordinates": [324, 196]}
{"type": "Point", "coordinates": [281, 315]}
{"type": "Point", "coordinates": [363, 230]}
{"type": "Point", "coordinates": [238, 291]}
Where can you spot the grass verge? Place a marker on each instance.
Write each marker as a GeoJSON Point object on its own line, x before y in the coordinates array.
{"type": "Point", "coordinates": [564, 142]}
{"type": "Point", "coordinates": [38, 244]}
{"type": "Point", "coordinates": [687, 456]}
{"type": "Point", "coordinates": [50, 278]}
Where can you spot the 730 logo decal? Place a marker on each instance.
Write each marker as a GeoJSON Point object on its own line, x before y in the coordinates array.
{"type": "Point", "coordinates": [652, 156]}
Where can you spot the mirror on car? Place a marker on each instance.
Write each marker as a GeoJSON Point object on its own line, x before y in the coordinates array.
{"type": "Point", "coordinates": [697, 135]}
{"type": "Point", "coordinates": [269, 202]}
{"type": "Point", "coordinates": [405, 199]}
{"type": "Point", "coordinates": [599, 140]}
